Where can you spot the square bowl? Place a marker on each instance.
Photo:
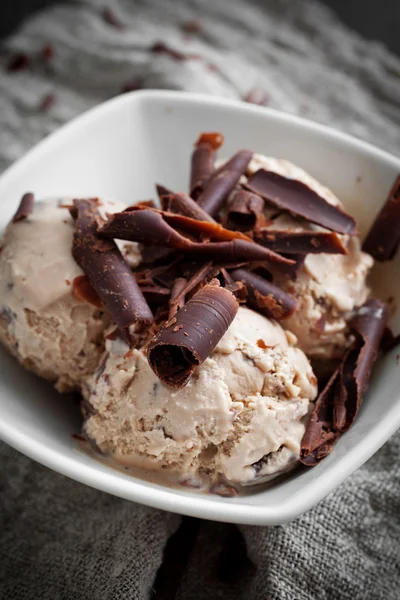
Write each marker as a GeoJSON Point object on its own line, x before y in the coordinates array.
{"type": "Point", "coordinates": [118, 150]}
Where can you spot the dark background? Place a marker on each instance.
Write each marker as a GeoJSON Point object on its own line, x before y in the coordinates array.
{"type": "Point", "coordinates": [375, 19]}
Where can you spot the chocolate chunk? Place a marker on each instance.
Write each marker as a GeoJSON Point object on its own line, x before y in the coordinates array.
{"type": "Point", "coordinates": [293, 242]}
{"type": "Point", "coordinates": [244, 210]}
{"type": "Point", "coordinates": [264, 296]}
{"type": "Point", "coordinates": [149, 228]}
{"type": "Point", "coordinates": [203, 158]}
{"type": "Point", "coordinates": [185, 205]}
{"type": "Point", "coordinates": [218, 187]}
{"type": "Point", "coordinates": [383, 238]}
{"type": "Point", "coordinates": [300, 200]}
{"type": "Point", "coordinates": [25, 207]}
{"type": "Point", "coordinates": [190, 337]}
{"type": "Point", "coordinates": [338, 404]}
{"type": "Point", "coordinates": [106, 269]}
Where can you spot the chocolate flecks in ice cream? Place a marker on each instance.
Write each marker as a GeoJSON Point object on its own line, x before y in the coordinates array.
{"type": "Point", "coordinates": [242, 403]}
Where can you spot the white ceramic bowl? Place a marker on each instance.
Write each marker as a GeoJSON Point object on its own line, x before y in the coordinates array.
{"type": "Point", "coordinates": [118, 150]}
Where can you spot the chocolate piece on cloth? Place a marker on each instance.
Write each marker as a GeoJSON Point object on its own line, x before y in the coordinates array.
{"type": "Point", "coordinates": [300, 200]}
{"type": "Point", "coordinates": [304, 242]}
{"type": "Point", "coordinates": [338, 404]}
{"type": "Point", "coordinates": [223, 181]}
{"type": "Point", "coordinates": [25, 207]}
{"type": "Point", "coordinates": [383, 238]}
{"type": "Point", "coordinates": [106, 269]}
{"type": "Point", "coordinates": [150, 228]}
{"type": "Point", "coordinates": [188, 339]}
{"type": "Point", "coordinates": [265, 297]}
{"type": "Point", "coordinates": [245, 210]}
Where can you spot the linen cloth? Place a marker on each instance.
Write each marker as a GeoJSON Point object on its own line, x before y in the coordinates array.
{"type": "Point", "coordinates": [61, 540]}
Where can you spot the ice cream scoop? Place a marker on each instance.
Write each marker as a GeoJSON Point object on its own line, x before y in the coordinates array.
{"type": "Point", "coordinates": [241, 416]}
{"type": "Point", "coordinates": [44, 322]}
{"type": "Point", "coordinates": [328, 287]}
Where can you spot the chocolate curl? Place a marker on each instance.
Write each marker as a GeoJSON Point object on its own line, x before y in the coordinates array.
{"type": "Point", "coordinates": [207, 229]}
{"type": "Point", "coordinates": [203, 158]}
{"type": "Point", "coordinates": [222, 182]}
{"type": "Point", "coordinates": [383, 238]}
{"type": "Point", "coordinates": [338, 404]}
{"type": "Point", "coordinates": [155, 294]}
{"type": "Point", "coordinates": [185, 205]}
{"type": "Point", "coordinates": [189, 338]}
{"type": "Point", "coordinates": [264, 296]}
{"type": "Point", "coordinates": [149, 228]}
{"type": "Point", "coordinates": [291, 270]}
{"type": "Point", "coordinates": [214, 139]}
{"type": "Point", "coordinates": [177, 299]}
{"type": "Point", "coordinates": [25, 207]}
{"type": "Point", "coordinates": [244, 210]}
{"type": "Point", "coordinates": [106, 269]}
{"type": "Point", "coordinates": [293, 242]}
{"type": "Point", "coordinates": [163, 191]}
{"type": "Point", "coordinates": [300, 200]}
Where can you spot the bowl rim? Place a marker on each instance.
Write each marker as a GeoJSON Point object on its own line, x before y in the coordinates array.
{"type": "Point", "coordinates": [158, 496]}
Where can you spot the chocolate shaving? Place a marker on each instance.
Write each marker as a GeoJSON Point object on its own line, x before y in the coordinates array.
{"type": "Point", "coordinates": [300, 200]}
{"type": "Point", "coordinates": [244, 210]}
{"type": "Point", "coordinates": [185, 342]}
{"type": "Point", "coordinates": [25, 207]}
{"type": "Point", "coordinates": [305, 242]}
{"type": "Point", "coordinates": [106, 269]}
{"type": "Point", "coordinates": [218, 187]}
{"type": "Point", "coordinates": [177, 299]}
{"type": "Point", "coordinates": [163, 191]}
{"type": "Point", "coordinates": [84, 291]}
{"type": "Point", "coordinates": [338, 404]}
{"type": "Point", "coordinates": [148, 227]}
{"type": "Point", "coordinates": [214, 139]}
{"type": "Point", "coordinates": [383, 238]}
{"type": "Point", "coordinates": [185, 205]}
{"type": "Point", "coordinates": [264, 296]}
{"type": "Point", "coordinates": [155, 294]}
{"type": "Point", "coordinates": [291, 270]}
{"type": "Point", "coordinates": [203, 157]}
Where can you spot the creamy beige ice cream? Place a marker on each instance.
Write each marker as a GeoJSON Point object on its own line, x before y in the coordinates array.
{"type": "Point", "coordinates": [42, 323]}
{"type": "Point", "coordinates": [241, 416]}
{"type": "Point", "coordinates": [328, 286]}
